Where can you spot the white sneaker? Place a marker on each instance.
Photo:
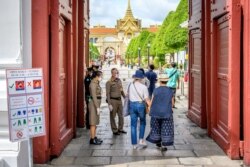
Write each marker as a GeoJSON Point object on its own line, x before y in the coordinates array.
{"type": "Point", "coordinates": [143, 143]}
{"type": "Point", "coordinates": [134, 147]}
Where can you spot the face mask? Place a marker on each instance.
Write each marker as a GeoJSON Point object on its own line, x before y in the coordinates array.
{"type": "Point", "coordinates": [117, 75]}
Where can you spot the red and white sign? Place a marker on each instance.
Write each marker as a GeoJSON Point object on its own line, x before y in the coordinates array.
{"type": "Point", "coordinates": [25, 103]}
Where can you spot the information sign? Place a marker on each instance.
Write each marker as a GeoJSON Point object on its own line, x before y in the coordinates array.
{"type": "Point", "coordinates": [25, 103]}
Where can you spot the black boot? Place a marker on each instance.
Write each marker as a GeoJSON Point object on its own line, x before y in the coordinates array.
{"type": "Point", "coordinates": [94, 142]}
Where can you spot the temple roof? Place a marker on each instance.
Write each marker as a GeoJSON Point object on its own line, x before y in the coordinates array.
{"type": "Point", "coordinates": [129, 13]}
{"type": "Point", "coordinates": [103, 30]}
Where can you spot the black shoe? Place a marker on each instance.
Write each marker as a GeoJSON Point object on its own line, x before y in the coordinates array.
{"type": "Point", "coordinates": [122, 131]}
{"type": "Point", "coordinates": [100, 140]}
{"type": "Point", "coordinates": [158, 144]}
{"type": "Point", "coordinates": [94, 142]}
{"type": "Point", "coordinates": [164, 148]}
{"type": "Point", "coordinates": [116, 133]}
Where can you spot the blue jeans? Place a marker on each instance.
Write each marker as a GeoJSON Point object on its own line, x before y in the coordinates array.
{"type": "Point", "coordinates": [137, 110]}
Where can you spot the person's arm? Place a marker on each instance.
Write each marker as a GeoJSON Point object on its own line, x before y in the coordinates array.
{"type": "Point", "coordinates": [172, 102]}
{"type": "Point", "coordinates": [178, 80]}
{"type": "Point", "coordinates": [122, 91]}
{"type": "Point", "coordinates": [151, 102]}
{"type": "Point", "coordinates": [146, 96]}
{"type": "Point", "coordinates": [93, 95]}
{"type": "Point", "coordinates": [155, 77]}
{"type": "Point", "coordinates": [108, 91]}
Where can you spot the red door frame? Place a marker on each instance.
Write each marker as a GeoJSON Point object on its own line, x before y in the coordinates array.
{"type": "Point", "coordinates": [246, 12]}
{"type": "Point", "coordinates": [80, 77]}
{"type": "Point", "coordinates": [59, 141]}
{"type": "Point", "coordinates": [44, 53]}
{"type": "Point", "coordinates": [208, 65]}
{"type": "Point", "coordinates": [230, 144]}
{"type": "Point", "coordinates": [41, 59]}
{"type": "Point", "coordinates": [197, 23]}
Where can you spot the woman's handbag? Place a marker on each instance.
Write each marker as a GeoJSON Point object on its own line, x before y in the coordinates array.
{"type": "Point", "coordinates": [147, 109]}
{"type": "Point", "coordinates": [125, 110]}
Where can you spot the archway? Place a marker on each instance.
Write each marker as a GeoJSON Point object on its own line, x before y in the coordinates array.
{"type": "Point", "coordinates": [110, 55]}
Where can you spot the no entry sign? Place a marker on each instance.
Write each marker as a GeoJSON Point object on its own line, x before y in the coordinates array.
{"type": "Point", "coordinates": [25, 103]}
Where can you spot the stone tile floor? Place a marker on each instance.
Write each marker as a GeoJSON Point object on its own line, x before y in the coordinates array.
{"type": "Point", "coordinates": [192, 147]}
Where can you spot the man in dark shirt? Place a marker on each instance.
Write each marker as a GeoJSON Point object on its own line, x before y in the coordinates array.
{"type": "Point", "coordinates": [152, 77]}
{"type": "Point", "coordinates": [87, 82]}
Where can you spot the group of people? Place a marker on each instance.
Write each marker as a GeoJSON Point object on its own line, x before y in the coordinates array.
{"type": "Point", "coordinates": [143, 95]}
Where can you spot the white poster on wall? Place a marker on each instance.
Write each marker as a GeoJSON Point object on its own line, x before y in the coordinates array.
{"type": "Point", "coordinates": [25, 103]}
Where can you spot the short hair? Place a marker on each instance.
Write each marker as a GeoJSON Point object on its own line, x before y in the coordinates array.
{"type": "Point", "coordinates": [151, 66]}
{"type": "Point", "coordinates": [96, 74]}
{"type": "Point", "coordinates": [142, 70]}
{"type": "Point", "coordinates": [173, 64]}
{"type": "Point", "coordinates": [89, 69]}
{"type": "Point", "coordinates": [113, 69]}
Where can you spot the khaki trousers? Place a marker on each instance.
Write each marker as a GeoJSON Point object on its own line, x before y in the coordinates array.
{"type": "Point", "coordinates": [117, 110]}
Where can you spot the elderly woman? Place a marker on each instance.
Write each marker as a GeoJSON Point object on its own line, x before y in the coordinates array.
{"type": "Point", "coordinates": [162, 124]}
{"type": "Point", "coordinates": [94, 106]}
{"type": "Point", "coordinates": [138, 96]}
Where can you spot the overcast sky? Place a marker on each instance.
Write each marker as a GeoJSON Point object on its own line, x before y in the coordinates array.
{"type": "Point", "coordinates": [106, 12]}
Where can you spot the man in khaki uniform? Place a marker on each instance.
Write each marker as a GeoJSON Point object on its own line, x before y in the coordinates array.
{"type": "Point", "coordinates": [114, 91]}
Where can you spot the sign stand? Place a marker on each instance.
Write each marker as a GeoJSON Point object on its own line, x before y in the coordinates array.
{"type": "Point", "coordinates": [30, 149]}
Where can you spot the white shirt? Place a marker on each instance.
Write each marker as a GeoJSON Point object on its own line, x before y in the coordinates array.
{"type": "Point", "coordinates": [141, 89]}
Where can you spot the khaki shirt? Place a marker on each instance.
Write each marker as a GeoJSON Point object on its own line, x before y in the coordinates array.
{"type": "Point", "coordinates": [95, 91]}
{"type": "Point", "coordinates": [114, 89]}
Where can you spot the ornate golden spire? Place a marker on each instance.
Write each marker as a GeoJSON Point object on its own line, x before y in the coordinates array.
{"type": "Point", "coordinates": [129, 13]}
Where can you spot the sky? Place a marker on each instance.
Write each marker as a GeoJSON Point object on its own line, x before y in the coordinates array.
{"type": "Point", "coordinates": [151, 12]}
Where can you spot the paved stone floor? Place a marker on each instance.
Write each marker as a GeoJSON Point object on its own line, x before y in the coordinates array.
{"type": "Point", "coordinates": [192, 147]}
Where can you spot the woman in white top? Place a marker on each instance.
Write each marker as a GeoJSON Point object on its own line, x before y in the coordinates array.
{"type": "Point", "coordinates": [138, 96]}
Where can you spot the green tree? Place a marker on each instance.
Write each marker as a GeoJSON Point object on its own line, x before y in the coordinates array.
{"type": "Point", "coordinates": [93, 51]}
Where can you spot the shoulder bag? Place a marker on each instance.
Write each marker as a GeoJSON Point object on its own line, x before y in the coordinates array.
{"type": "Point", "coordinates": [146, 105]}
{"type": "Point", "coordinates": [125, 110]}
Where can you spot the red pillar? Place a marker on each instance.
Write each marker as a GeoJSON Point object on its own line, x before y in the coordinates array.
{"type": "Point", "coordinates": [246, 13]}
{"type": "Point", "coordinates": [40, 58]}
{"type": "Point", "coordinates": [75, 60]}
{"type": "Point", "coordinates": [207, 38]}
{"type": "Point", "coordinates": [80, 90]}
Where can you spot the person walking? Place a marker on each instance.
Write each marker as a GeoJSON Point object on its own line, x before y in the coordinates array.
{"type": "Point", "coordinates": [138, 96]}
{"type": "Point", "coordinates": [161, 123]}
{"type": "Point", "coordinates": [94, 106]}
{"type": "Point", "coordinates": [152, 77]}
{"type": "Point", "coordinates": [87, 82]}
{"type": "Point", "coordinates": [174, 79]}
{"type": "Point", "coordinates": [114, 92]}
{"type": "Point", "coordinates": [145, 80]}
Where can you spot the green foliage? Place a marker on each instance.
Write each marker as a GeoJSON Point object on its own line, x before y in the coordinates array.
{"type": "Point", "coordinates": [93, 51]}
{"type": "Point", "coordinates": [169, 38]}
{"type": "Point", "coordinates": [175, 36]}
{"type": "Point", "coordinates": [141, 42]}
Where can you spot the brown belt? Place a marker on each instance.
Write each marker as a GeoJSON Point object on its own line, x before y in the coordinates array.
{"type": "Point", "coordinates": [116, 98]}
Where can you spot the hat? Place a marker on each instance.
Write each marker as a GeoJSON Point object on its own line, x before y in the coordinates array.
{"type": "Point", "coordinates": [138, 74]}
{"type": "Point", "coordinates": [163, 77]}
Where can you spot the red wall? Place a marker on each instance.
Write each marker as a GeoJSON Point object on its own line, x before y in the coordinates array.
{"type": "Point", "coordinates": [45, 16]}
{"type": "Point", "coordinates": [246, 13]}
